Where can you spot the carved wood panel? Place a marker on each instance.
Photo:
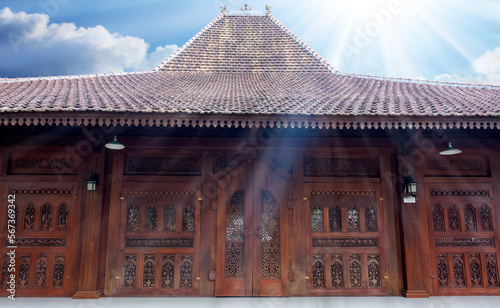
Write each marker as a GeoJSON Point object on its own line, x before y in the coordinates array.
{"type": "Point", "coordinates": [159, 239]}
{"type": "Point", "coordinates": [46, 225]}
{"type": "Point", "coordinates": [149, 164]}
{"type": "Point", "coordinates": [463, 239]}
{"type": "Point", "coordinates": [457, 166]}
{"type": "Point", "coordinates": [341, 167]}
{"type": "Point", "coordinates": [346, 245]}
{"type": "Point", "coordinates": [48, 163]}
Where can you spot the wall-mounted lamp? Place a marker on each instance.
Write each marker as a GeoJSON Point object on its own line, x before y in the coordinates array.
{"type": "Point", "coordinates": [115, 145]}
{"type": "Point", "coordinates": [92, 182]}
{"type": "Point", "coordinates": [450, 150]}
{"type": "Point", "coordinates": [410, 186]}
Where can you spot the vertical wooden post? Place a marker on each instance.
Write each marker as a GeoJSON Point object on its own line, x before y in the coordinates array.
{"type": "Point", "coordinates": [415, 239]}
{"type": "Point", "coordinates": [91, 227]}
{"type": "Point", "coordinates": [114, 225]}
{"type": "Point", "coordinates": [391, 219]}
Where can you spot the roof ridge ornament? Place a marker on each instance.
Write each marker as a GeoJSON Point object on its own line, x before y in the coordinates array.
{"type": "Point", "coordinates": [246, 7]}
{"type": "Point", "coordinates": [223, 8]}
{"type": "Point", "coordinates": [268, 9]}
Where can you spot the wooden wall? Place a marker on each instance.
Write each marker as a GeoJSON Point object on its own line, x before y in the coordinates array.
{"type": "Point", "coordinates": [405, 254]}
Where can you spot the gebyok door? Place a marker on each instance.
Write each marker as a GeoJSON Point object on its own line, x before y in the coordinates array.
{"type": "Point", "coordinates": [251, 232]}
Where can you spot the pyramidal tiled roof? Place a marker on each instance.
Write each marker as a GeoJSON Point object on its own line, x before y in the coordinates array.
{"type": "Point", "coordinates": [247, 69]}
{"type": "Point", "coordinates": [245, 44]}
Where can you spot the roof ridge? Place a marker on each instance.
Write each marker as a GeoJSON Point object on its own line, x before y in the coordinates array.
{"type": "Point", "coordinates": [303, 44]}
{"type": "Point", "coordinates": [79, 76]}
{"type": "Point", "coordinates": [178, 51]}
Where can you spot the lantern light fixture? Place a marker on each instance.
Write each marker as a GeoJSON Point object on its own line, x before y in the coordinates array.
{"type": "Point", "coordinates": [92, 182]}
{"type": "Point", "coordinates": [115, 145]}
{"type": "Point", "coordinates": [450, 150]}
{"type": "Point", "coordinates": [410, 186]}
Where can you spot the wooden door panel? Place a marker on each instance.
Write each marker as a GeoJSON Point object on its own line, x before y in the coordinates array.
{"type": "Point", "coordinates": [463, 235]}
{"type": "Point", "coordinates": [346, 254]}
{"type": "Point", "coordinates": [159, 239]}
{"type": "Point", "coordinates": [46, 234]}
{"type": "Point", "coordinates": [270, 193]}
{"type": "Point", "coordinates": [234, 240]}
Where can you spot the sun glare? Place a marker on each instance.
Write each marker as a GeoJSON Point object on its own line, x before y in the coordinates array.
{"type": "Point", "coordinates": [372, 36]}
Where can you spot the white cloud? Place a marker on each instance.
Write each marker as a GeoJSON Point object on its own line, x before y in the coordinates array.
{"type": "Point", "coordinates": [488, 63]}
{"type": "Point", "coordinates": [32, 46]}
{"type": "Point", "coordinates": [487, 68]}
{"type": "Point", "coordinates": [488, 79]}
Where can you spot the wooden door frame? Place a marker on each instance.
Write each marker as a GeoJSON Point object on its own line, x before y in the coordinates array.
{"type": "Point", "coordinates": [251, 286]}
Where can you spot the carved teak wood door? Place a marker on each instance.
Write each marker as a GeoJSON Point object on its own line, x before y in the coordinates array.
{"type": "Point", "coordinates": [252, 230]}
{"type": "Point", "coordinates": [159, 239]}
{"type": "Point", "coordinates": [464, 239]}
{"type": "Point", "coordinates": [46, 227]}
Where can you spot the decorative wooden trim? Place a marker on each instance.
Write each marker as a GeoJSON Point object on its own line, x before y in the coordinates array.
{"type": "Point", "coordinates": [345, 242]}
{"type": "Point", "coordinates": [160, 242]}
{"type": "Point", "coordinates": [236, 120]}
{"type": "Point", "coordinates": [39, 191]}
{"type": "Point", "coordinates": [161, 193]}
{"type": "Point", "coordinates": [341, 166]}
{"type": "Point", "coordinates": [38, 242]}
{"type": "Point", "coordinates": [463, 242]}
{"type": "Point", "coordinates": [457, 166]}
{"type": "Point", "coordinates": [46, 163]}
{"type": "Point", "coordinates": [140, 164]}
{"type": "Point", "coordinates": [343, 193]}
{"type": "Point", "coordinates": [460, 193]}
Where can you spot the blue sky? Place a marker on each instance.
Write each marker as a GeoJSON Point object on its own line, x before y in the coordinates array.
{"type": "Point", "coordinates": [446, 40]}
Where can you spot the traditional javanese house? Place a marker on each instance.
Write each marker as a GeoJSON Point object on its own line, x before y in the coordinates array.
{"type": "Point", "coordinates": [251, 167]}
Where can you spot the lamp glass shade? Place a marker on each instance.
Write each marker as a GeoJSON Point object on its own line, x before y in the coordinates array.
{"type": "Point", "coordinates": [410, 186]}
{"type": "Point", "coordinates": [91, 185]}
{"type": "Point", "coordinates": [450, 150]}
{"type": "Point", "coordinates": [115, 145]}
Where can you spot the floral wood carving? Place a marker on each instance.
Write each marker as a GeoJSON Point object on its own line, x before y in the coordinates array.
{"type": "Point", "coordinates": [167, 272]}
{"type": "Point", "coordinates": [160, 242]}
{"type": "Point", "coordinates": [491, 269]}
{"type": "Point", "coordinates": [58, 275]}
{"type": "Point", "coordinates": [164, 165]}
{"type": "Point", "coordinates": [463, 242]}
{"type": "Point", "coordinates": [337, 269]}
{"type": "Point", "coordinates": [455, 165]}
{"type": "Point", "coordinates": [438, 218]}
{"type": "Point", "coordinates": [39, 242]}
{"type": "Point", "coordinates": [318, 271]}
{"type": "Point", "coordinates": [186, 271]}
{"type": "Point", "coordinates": [373, 261]}
{"type": "Point", "coordinates": [355, 271]}
{"type": "Point", "coordinates": [339, 167]}
{"type": "Point", "coordinates": [442, 270]}
{"type": "Point", "coordinates": [345, 242]}
{"type": "Point", "coordinates": [270, 237]}
{"type": "Point", "coordinates": [130, 271]}
{"type": "Point", "coordinates": [486, 219]}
